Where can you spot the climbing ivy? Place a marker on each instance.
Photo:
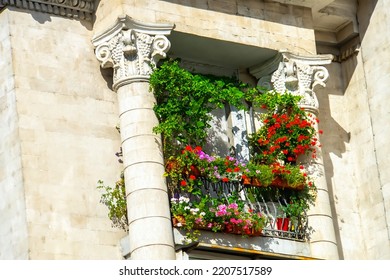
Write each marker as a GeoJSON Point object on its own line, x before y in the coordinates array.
{"type": "Point", "coordinates": [185, 100]}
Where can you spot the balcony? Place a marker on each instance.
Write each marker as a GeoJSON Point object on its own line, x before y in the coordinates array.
{"type": "Point", "coordinates": [269, 201]}
{"type": "Point", "coordinates": [286, 238]}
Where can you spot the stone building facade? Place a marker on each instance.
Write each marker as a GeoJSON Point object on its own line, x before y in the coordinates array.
{"type": "Point", "coordinates": [71, 71]}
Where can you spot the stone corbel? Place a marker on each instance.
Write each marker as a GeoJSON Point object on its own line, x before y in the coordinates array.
{"type": "Point", "coordinates": [297, 74]}
{"type": "Point", "coordinates": [132, 49]}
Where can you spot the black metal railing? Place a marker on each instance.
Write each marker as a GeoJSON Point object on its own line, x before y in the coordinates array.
{"type": "Point", "coordinates": [269, 201]}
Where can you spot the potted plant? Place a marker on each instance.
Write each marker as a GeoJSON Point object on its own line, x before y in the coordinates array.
{"type": "Point", "coordinates": [260, 174]}
{"type": "Point", "coordinates": [237, 219]}
{"type": "Point", "coordinates": [287, 131]}
{"type": "Point", "coordinates": [289, 176]}
{"type": "Point", "coordinates": [186, 215]}
{"type": "Point", "coordinates": [294, 210]}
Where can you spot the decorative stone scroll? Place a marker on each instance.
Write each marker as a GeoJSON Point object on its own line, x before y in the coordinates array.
{"type": "Point", "coordinates": [132, 49]}
{"type": "Point", "coordinates": [81, 9]}
{"type": "Point", "coordinates": [296, 74]}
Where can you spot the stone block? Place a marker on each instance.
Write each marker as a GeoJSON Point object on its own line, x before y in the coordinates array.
{"type": "Point", "coordinates": [147, 203]}
{"type": "Point", "coordinates": [150, 235]}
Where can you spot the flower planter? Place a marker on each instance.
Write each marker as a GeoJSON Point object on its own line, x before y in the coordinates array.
{"type": "Point", "coordinates": [283, 184]}
{"type": "Point", "coordinates": [279, 183]}
{"type": "Point", "coordinates": [178, 221]}
{"type": "Point", "coordinates": [193, 170]}
{"type": "Point", "coordinates": [257, 232]}
{"type": "Point", "coordinates": [246, 181]}
{"type": "Point", "coordinates": [256, 182]}
{"type": "Point", "coordinates": [298, 187]}
{"type": "Point", "coordinates": [171, 165]}
{"type": "Point", "coordinates": [282, 223]}
{"type": "Point", "coordinates": [233, 229]}
{"type": "Point", "coordinates": [239, 230]}
{"type": "Point", "coordinates": [202, 227]}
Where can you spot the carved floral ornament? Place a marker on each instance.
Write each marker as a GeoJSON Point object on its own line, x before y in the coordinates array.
{"type": "Point", "coordinates": [81, 9]}
{"type": "Point", "coordinates": [132, 49]}
{"type": "Point", "coordinates": [296, 74]}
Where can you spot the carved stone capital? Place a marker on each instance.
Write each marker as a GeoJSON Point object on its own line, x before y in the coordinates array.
{"type": "Point", "coordinates": [81, 9]}
{"type": "Point", "coordinates": [132, 49]}
{"type": "Point", "coordinates": [299, 75]}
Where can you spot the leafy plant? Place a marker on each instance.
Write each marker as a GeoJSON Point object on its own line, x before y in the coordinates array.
{"type": "Point", "coordinates": [115, 200]}
{"type": "Point", "coordinates": [263, 173]}
{"type": "Point", "coordinates": [185, 100]}
{"type": "Point", "coordinates": [218, 215]}
{"type": "Point", "coordinates": [287, 131]}
{"type": "Point", "coordinates": [295, 208]}
{"type": "Point", "coordinates": [184, 103]}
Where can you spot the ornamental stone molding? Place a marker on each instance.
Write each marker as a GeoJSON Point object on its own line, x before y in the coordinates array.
{"type": "Point", "coordinates": [297, 74]}
{"type": "Point", "coordinates": [132, 49]}
{"type": "Point", "coordinates": [80, 9]}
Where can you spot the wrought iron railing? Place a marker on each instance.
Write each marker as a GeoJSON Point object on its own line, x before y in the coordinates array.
{"type": "Point", "coordinates": [269, 201]}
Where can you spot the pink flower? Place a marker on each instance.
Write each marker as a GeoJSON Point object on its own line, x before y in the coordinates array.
{"type": "Point", "coordinates": [221, 210]}
{"type": "Point", "coordinates": [235, 221]}
{"type": "Point", "coordinates": [233, 206]}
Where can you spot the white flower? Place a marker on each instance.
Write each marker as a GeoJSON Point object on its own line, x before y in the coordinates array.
{"type": "Point", "coordinates": [183, 199]}
{"type": "Point", "coordinates": [194, 210]}
{"type": "Point", "coordinates": [202, 213]}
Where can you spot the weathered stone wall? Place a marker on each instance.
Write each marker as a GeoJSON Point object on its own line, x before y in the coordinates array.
{"type": "Point", "coordinates": [58, 117]}
{"type": "Point", "coordinates": [67, 116]}
{"type": "Point", "coordinates": [13, 228]}
{"type": "Point", "coordinates": [375, 42]}
{"type": "Point", "coordinates": [256, 23]}
{"type": "Point", "coordinates": [354, 116]}
{"type": "Point", "coordinates": [348, 149]}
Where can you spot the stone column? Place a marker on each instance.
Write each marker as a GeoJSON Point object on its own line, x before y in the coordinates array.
{"type": "Point", "coordinates": [132, 49]}
{"type": "Point", "coordinates": [300, 75]}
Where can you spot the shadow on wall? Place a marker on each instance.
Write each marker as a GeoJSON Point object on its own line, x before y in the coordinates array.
{"type": "Point", "coordinates": [216, 142]}
{"type": "Point", "coordinates": [107, 74]}
{"type": "Point", "coordinates": [39, 14]}
{"type": "Point", "coordinates": [334, 139]}
{"type": "Point", "coordinates": [364, 21]}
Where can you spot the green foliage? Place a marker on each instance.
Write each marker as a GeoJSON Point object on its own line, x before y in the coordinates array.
{"type": "Point", "coordinates": [263, 173]}
{"type": "Point", "coordinates": [278, 102]}
{"type": "Point", "coordinates": [287, 131]}
{"type": "Point", "coordinates": [115, 200]}
{"type": "Point", "coordinates": [184, 101]}
{"type": "Point", "coordinates": [295, 208]}
{"type": "Point", "coordinates": [217, 214]}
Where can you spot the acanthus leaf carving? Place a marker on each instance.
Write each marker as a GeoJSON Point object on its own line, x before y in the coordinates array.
{"type": "Point", "coordinates": [298, 75]}
{"type": "Point", "coordinates": [130, 55]}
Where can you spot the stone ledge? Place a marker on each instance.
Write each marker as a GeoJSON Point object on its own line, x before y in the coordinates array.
{"type": "Point", "coordinates": [262, 245]}
{"type": "Point", "coordinates": [78, 9]}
